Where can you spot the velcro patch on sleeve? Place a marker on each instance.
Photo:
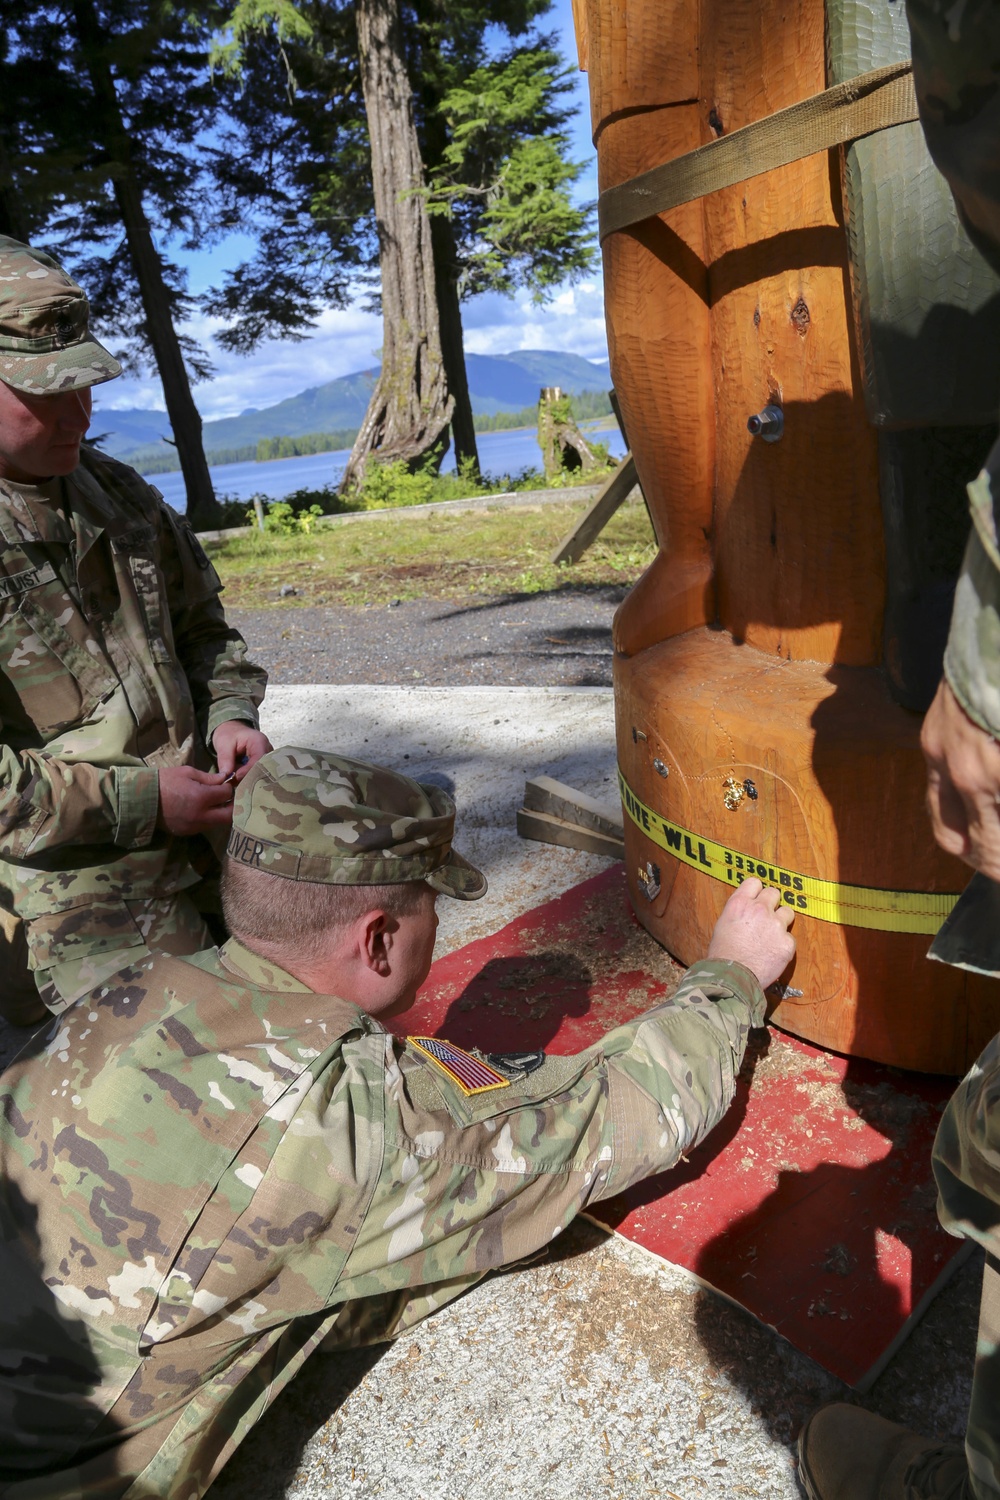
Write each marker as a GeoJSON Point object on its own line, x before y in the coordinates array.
{"type": "Point", "coordinates": [472, 1075]}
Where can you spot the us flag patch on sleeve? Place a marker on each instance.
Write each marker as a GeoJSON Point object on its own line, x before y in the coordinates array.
{"type": "Point", "coordinates": [472, 1075]}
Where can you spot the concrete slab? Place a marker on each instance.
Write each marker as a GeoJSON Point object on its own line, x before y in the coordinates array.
{"type": "Point", "coordinates": [598, 1374]}
{"type": "Point", "coordinates": [481, 744]}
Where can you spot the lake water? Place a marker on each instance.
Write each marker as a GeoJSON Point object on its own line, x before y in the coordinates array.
{"type": "Point", "coordinates": [500, 453]}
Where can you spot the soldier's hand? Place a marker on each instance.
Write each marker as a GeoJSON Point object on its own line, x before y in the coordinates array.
{"type": "Point", "coordinates": [194, 801]}
{"type": "Point", "coordinates": [963, 783]}
{"type": "Point", "coordinates": [753, 931]}
{"type": "Point", "coordinates": [237, 746]}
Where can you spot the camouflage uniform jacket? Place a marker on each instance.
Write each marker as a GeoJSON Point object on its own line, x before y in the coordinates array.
{"type": "Point", "coordinates": [207, 1170]}
{"type": "Point", "coordinates": [115, 660]}
{"type": "Point", "coordinates": [956, 57]}
{"type": "Point", "coordinates": [956, 61]}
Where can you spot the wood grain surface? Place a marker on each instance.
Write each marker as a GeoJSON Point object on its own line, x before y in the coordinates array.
{"type": "Point", "coordinates": [839, 780]}
{"type": "Point", "coordinates": [755, 638]}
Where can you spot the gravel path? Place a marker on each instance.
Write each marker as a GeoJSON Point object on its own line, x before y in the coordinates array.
{"type": "Point", "coordinates": [558, 639]}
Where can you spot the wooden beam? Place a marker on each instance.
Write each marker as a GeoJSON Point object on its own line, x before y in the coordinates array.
{"type": "Point", "coordinates": [554, 813]}
{"type": "Point", "coordinates": [546, 829]}
{"type": "Point", "coordinates": [545, 794]}
{"type": "Point", "coordinates": [586, 531]}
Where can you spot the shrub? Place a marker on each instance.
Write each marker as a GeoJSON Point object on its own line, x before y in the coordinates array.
{"type": "Point", "coordinates": [392, 484]}
{"type": "Point", "coordinates": [283, 520]}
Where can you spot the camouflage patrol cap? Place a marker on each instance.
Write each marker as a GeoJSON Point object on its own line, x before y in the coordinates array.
{"type": "Point", "coordinates": [310, 815]}
{"type": "Point", "coordinates": [45, 340]}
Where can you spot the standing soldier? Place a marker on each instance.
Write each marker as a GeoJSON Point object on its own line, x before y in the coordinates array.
{"type": "Point", "coordinates": [846, 1453]}
{"type": "Point", "coordinates": [244, 1165]}
{"type": "Point", "coordinates": [120, 680]}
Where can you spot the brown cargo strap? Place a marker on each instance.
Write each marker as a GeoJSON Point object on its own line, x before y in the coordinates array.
{"type": "Point", "coordinates": [872, 101]}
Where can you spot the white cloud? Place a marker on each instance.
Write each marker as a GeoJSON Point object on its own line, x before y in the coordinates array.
{"type": "Point", "coordinates": [348, 339]}
{"type": "Point", "coordinates": [345, 340]}
{"type": "Point", "coordinates": [573, 321]}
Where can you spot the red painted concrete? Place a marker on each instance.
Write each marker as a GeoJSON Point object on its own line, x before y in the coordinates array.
{"type": "Point", "coordinates": [811, 1204]}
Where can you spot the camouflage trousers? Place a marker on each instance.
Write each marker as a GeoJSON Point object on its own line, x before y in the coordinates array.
{"type": "Point", "coordinates": [967, 1170]}
{"type": "Point", "coordinates": [48, 963]}
{"type": "Point", "coordinates": [982, 1438]}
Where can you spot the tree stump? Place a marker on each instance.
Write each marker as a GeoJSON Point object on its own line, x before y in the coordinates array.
{"type": "Point", "coordinates": [564, 447]}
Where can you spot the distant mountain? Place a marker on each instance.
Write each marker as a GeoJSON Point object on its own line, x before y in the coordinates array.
{"type": "Point", "coordinates": [497, 382]}
{"type": "Point", "coordinates": [508, 382]}
{"type": "Point", "coordinates": [124, 430]}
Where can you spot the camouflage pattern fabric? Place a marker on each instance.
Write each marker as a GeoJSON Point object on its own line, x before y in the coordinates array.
{"type": "Point", "coordinates": [966, 1157]}
{"type": "Point", "coordinates": [956, 61]}
{"type": "Point", "coordinates": [45, 341]}
{"type": "Point", "coordinates": [972, 656]}
{"type": "Point", "coordinates": [171, 924]}
{"type": "Point", "coordinates": [115, 661]}
{"type": "Point", "coordinates": [207, 1171]}
{"type": "Point", "coordinates": [309, 815]}
{"type": "Point", "coordinates": [956, 64]}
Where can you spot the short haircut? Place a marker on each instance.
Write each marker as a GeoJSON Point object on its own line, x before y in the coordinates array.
{"type": "Point", "coordinates": [267, 911]}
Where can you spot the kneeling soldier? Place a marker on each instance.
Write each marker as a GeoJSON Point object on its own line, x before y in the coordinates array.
{"type": "Point", "coordinates": [213, 1165]}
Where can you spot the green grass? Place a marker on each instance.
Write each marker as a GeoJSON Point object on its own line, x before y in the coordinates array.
{"type": "Point", "coordinates": [487, 554]}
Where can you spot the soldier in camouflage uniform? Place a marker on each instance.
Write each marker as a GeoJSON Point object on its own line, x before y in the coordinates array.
{"type": "Point", "coordinates": [119, 677]}
{"type": "Point", "coordinates": [846, 1453]}
{"type": "Point", "coordinates": [213, 1165]}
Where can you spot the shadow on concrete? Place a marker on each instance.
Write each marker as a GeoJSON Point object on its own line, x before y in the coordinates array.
{"type": "Point", "coordinates": [272, 1458]}
{"type": "Point", "coordinates": [269, 1459]}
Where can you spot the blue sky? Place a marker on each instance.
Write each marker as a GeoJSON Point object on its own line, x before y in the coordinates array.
{"type": "Point", "coordinates": [346, 339]}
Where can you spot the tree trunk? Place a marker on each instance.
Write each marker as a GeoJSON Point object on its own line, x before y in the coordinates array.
{"type": "Point", "coordinates": [410, 406]}
{"type": "Point", "coordinates": [564, 447]}
{"type": "Point", "coordinates": [463, 428]}
{"type": "Point", "coordinates": [13, 221]}
{"type": "Point", "coordinates": [185, 419]}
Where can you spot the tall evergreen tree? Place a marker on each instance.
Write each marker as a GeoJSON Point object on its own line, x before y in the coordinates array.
{"type": "Point", "coordinates": [410, 407]}
{"type": "Point", "coordinates": [103, 108]}
{"type": "Point", "coordinates": [493, 152]}
{"type": "Point", "coordinates": [499, 180]}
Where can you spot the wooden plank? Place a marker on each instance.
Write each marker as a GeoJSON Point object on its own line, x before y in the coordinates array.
{"type": "Point", "coordinates": [614, 494]}
{"type": "Point", "coordinates": [545, 794]}
{"type": "Point", "coordinates": [546, 829]}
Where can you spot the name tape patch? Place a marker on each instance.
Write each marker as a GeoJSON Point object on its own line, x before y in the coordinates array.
{"type": "Point", "coordinates": [826, 900]}
{"type": "Point", "coordinates": [19, 583]}
{"type": "Point", "coordinates": [472, 1075]}
{"type": "Point", "coordinates": [244, 848]}
{"type": "Point", "coordinates": [135, 536]}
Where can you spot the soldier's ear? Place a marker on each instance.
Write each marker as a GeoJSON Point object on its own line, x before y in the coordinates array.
{"type": "Point", "coordinates": [375, 938]}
